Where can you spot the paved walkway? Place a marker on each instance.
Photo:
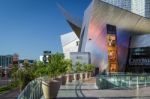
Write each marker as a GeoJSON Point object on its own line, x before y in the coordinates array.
{"type": "Point", "coordinates": [12, 94]}
{"type": "Point", "coordinates": [4, 82]}
{"type": "Point", "coordinates": [88, 90]}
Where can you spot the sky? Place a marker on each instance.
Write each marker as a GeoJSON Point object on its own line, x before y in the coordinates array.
{"type": "Point", "coordinates": [28, 27]}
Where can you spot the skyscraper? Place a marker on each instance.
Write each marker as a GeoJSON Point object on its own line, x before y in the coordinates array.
{"type": "Point", "coordinates": [6, 60]}
{"type": "Point", "coordinates": [140, 7]}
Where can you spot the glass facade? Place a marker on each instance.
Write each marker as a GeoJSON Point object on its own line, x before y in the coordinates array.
{"type": "Point", "coordinates": [118, 80]}
{"type": "Point", "coordinates": [141, 7]}
{"type": "Point", "coordinates": [5, 61]}
{"type": "Point", "coordinates": [147, 8]}
{"type": "Point", "coordinates": [125, 4]}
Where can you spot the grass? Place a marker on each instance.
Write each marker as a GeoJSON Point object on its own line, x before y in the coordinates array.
{"type": "Point", "coordinates": [5, 88]}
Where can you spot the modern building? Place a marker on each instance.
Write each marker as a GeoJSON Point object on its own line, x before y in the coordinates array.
{"type": "Point", "coordinates": [70, 43]}
{"type": "Point", "coordinates": [141, 7]}
{"type": "Point", "coordinates": [6, 61]}
{"type": "Point", "coordinates": [117, 39]}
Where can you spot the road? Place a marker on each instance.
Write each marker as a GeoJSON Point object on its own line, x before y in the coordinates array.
{"type": "Point", "coordinates": [4, 82]}
{"type": "Point", "coordinates": [12, 94]}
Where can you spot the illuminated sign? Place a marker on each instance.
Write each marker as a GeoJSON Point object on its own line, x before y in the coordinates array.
{"type": "Point", "coordinates": [139, 56]}
{"type": "Point", "coordinates": [141, 61]}
{"type": "Point", "coordinates": [112, 48]}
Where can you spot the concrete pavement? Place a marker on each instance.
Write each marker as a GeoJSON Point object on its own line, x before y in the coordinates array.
{"type": "Point", "coordinates": [12, 94]}
{"type": "Point", "coordinates": [88, 90]}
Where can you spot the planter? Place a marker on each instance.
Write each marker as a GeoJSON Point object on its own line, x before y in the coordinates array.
{"type": "Point", "coordinates": [86, 76]}
{"type": "Point", "coordinates": [76, 77]}
{"type": "Point", "coordinates": [69, 78]}
{"type": "Point", "coordinates": [90, 74]}
{"type": "Point", "coordinates": [81, 76]}
{"type": "Point", "coordinates": [63, 79]}
{"type": "Point", "coordinates": [59, 79]}
{"type": "Point", "coordinates": [50, 88]}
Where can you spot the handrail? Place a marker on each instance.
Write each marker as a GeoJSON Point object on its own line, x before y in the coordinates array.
{"type": "Point", "coordinates": [123, 81]}
{"type": "Point", "coordinates": [32, 91]}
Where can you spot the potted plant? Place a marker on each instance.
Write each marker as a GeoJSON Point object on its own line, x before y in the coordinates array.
{"type": "Point", "coordinates": [69, 70]}
{"type": "Point", "coordinates": [51, 85]}
{"type": "Point", "coordinates": [90, 69]}
{"type": "Point", "coordinates": [75, 74]}
{"type": "Point", "coordinates": [85, 69]}
{"type": "Point", "coordinates": [79, 70]}
{"type": "Point", "coordinates": [63, 70]}
{"type": "Point", "coordinates": [40, 69]}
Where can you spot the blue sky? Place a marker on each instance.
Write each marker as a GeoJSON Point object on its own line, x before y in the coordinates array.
{"type": "Point", "coordinates": [28, 27]}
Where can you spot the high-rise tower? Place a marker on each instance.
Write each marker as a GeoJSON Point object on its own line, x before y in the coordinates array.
{"type": "Point", "coordinates": [140, 7]}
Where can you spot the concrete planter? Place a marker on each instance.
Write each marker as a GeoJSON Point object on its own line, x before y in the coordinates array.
{"type": "Point", "coordinates": [90, 74]}
{"type": "Point", "coordinates": [59, 79]}
{"type": "Point", "coordinates": [81, 76]}
{"type": "Point", "coordinates": [86, 76]}
{"type": "Point", "coordinates": [69, 78]}
{"type": "Point", "coordinates": [76, 76]}
{"type": "Point", "coordinates": [50, 88]}
{"type": "Point", "coordinates": [64, 79]}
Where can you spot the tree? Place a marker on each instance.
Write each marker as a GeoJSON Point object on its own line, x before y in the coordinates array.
{"type": "Point", "coordinates": [22, 76]}
{"type": "Point", "coordinates": [56, 65]}
{"type": "Point", "coordinates": [68, 63]}
{"type": "Point", "coordinates": [85, 67]}
{"type": "Point", "coordinates": [90, 67]}
{"type": "Point", "coordinates": [79, 67]}
{"type": "Point", "coordinates": [40, 69]}
{"type": "Point", "coordinates": [14, 75]}
{"type": "Point", "coordinates": [25, 76]}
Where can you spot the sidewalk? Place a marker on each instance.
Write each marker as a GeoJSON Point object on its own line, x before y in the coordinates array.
{"type": "Point", "coordinates": [12, 94]}
{"type": "Point", "coordinates": [88, 90]}
{"type": "Point", "coordinates": [75, 89]}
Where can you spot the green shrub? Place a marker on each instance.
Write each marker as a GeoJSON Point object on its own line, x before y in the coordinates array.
{"type": "Point", "coordinates": [40, 69]}
{"type": "Point", "coordinates": [4, 89]}
{"type": "Point", "coordinates": [7, 88]}
{"type": "Point", "coordinates": [90, 67]}
{"type": "Point", "coordinates": [68, 63]}
{"type": "Point", "coordinates": [57, 65]}
{"type": "Point", "coordinates": [79, 67]}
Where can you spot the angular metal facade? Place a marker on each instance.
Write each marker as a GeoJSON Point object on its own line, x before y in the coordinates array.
{"type": "Point", "coordinates": [93, 34]}
{"type": "Point", "coordinates": [69, 43]}
{"type": "Point", "coordinates": [75, 23]}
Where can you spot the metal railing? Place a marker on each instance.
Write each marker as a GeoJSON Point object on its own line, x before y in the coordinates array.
{"type": "Point", "coordinates": [32, 91]}
{"type": "Point", "coordinates": [123, 81]}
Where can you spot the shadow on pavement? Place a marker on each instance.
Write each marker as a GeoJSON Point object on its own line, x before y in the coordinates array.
{"type": "Point", "coordinates": [140, 97]}
{"type": "Point", "coordinates": [78, 98]}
